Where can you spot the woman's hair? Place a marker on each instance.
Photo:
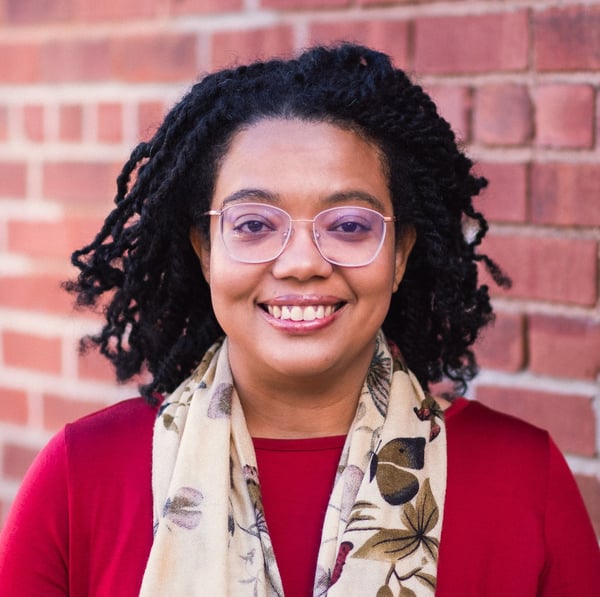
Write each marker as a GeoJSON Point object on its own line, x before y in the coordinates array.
{"type": "Point", "coordinates": [157, 306]}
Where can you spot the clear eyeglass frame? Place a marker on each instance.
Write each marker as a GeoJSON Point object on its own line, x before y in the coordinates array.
{"type": "Point", "coordinates": [240, 251]}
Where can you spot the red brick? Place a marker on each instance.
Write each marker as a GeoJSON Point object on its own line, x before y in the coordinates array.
{"type": "Point", "coordinates": [570, 419]}
{"type": "Point", "coordinates": [564, 346]}
{"type": "Point", "coordinates": [92, 365]}
{"type": "Point", "coordinates": [34, 293]}
{"type": "Point", "coordinates": [33, 123]}
{"type": "Point", "coordinates": [154, 57]}
{"type": "Point", "coordinates": [501, 344]}
{"type": "Point", "coordinates": [303, 4]}
{"type": "Point", "coordinates": [20, 62]}
{"type": "Point", "coordinates": [502, 115]}
{"type": "Point", "coordinates": [567, 38]}
{"type": "Point", "coordinates": [505, 198]}
{"type": "Point", "coordinates": [13, 179]}
{"type": "Point", "coordinates": [565, 116]}
{"type": "Point", "coordinates": [16, 460]}
{"type": "Point", "coordinates": [180, 7]}
{"type": "Point", "coordinates": [150, 116]}
{"type": "Point", "coordinates": [92, 10]}
{"type": "Point", "coordinates": [552, 269]}
{"type": "Point", "coordinates": [79, 182]}
{"type": "Point", "coordinates": [387, 36]}
{"type": "Point", "coordinates": [110, 122]}
{"type": "Point", "coordinates": [454, 104]}
{"type": "Point", "coordinates": [14, 409]}
{"type": "Point", "coordinates": [59, 410]}
{"type": "Point", "coordinates": [51, 239]}
{"type": "Point", "coordinates": [27, 351]}
{"type": "Point", "coordinates": [71, 123]}
{"type": "Point", "coordinates": [229, 48]}
{"type": "Point", "coordinates": [34, 11]}
{"type": "Point", "coordinates": [3, 123]}
{"type": "Point", "coordinates": [470, 44]}
{"type": "Point", "coordinates": [566, 194]}
{"type": "Point", "coordinates": [76, 60]}
{"type": "Point", "coordinates": [590, 492]}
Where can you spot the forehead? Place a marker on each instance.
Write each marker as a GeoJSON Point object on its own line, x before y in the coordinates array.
{"type": "Point", "coordinates": [297, 159]}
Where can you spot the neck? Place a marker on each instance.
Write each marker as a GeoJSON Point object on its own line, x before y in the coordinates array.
{"type": "Point", "coordinates": [293, 408]}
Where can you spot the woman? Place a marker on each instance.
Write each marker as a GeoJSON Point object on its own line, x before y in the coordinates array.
{"type": "Point", "coordinates": [294, 265]}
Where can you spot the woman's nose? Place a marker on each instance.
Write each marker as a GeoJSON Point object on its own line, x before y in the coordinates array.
{"type": "Point", "coordinates": [301, 258]}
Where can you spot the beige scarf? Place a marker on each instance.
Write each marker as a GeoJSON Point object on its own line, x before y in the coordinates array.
{"type": "Point", "coordinates": [383, 523]}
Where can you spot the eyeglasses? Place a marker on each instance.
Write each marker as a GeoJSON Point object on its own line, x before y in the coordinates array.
{"type": "Point", "coordinates": [258, 233]}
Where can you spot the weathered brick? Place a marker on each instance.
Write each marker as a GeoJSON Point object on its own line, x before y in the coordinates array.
{"type": "Point", "coordinates": [34, 122]}
{"type": "Point", "coordinates": [92, 365]}
{"type": "Point", "coordinates": [33, 11]}
{"type": "Point", "coordinates": [180, 7]}
{"type": "Point", "coordinates": [34, 293]}
{"type": "Point", "coordinates": [229, 48]}
{"type": "Point", "coordinates": [304, 4]}
{"type": "Point", "coordinates": [110, 122]}
{"type": "Point", "coordinates": [454, 104]}
{"type": "Point", "coordinates": [76, 60]}
{"type": "Point", "coordinates": [564, 116]}
{"type": "Point", "coordinates": [92, 10]}
{"type": "Point", "coordinates": [166, 57]}
{"type": "Point", "coordinates": [16, 460]}
{"type": "Point", "coordinates": [546, 268]}
{"type": "Point", "coordinates": [80, 182]}
{"type": "Point", "coordinates": [567, 38]}
{"type": "Point", "coordinates": [590, 492]}
{"type": "Point", "coordinates": [470, 44]}
{"type": "Point", "coordinates": [20, 62]}
{"type": "Point", "coordinates": [13, 179]}
{"type": "Point", "coordinates": [150, 116]}
{"type": "Point", "coordinates": [27, 351]}
{"type": "Point", "coordinates": [505, 198]}
{"type": "Point", "coordinates": [59, 410]}
{"type": "Point", "coordinates": [14, 409]}
{"type": "Point", "coordinates": [565, 194]}
{"type": "Point", "coordinates": [502, 115]}
{"type": "Point", "coordinates": [3, 123]}
{"type": "Point", "coordinates": [501, 345]}
{"type": "Point", "coordinates": [70, 123]}
{"type": "Point", "coordinates": [51, 239]}
{"type": "Point", "coordinates": [569, 418]}
{"type": "Point", "coordinates": [389, 36]}
{"type": "Point", "coordinates": [564, 346]}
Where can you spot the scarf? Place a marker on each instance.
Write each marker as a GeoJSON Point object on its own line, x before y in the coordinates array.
{"type": "Point", "coordinates": [382, 527]}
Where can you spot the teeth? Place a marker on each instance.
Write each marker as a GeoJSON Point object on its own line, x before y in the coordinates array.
{"type": "Point", "coordinates": [298, 313]}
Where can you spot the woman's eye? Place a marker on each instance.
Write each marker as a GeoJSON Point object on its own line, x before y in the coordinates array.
{"type": "Point", "coordinates": [350, 227]}
{"type": "Point", "coordinates": [252, 227]}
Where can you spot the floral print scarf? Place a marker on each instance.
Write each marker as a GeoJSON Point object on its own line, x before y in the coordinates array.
{"type": "Point", "coordinates": [383, 523]}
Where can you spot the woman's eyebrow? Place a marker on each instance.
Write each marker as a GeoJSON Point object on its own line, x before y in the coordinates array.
{"type": "Point", "coordinates": [355, 195]}
{"type": "Point", "coordinates": [251, 194]}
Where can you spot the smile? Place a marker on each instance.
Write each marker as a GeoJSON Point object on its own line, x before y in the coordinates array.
{"type": "Point", "coordinates": [298, 313]}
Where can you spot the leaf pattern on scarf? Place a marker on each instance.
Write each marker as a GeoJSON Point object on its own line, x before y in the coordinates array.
{"type": "Point", "coordinates": [378, 380]}
{"type": "Point", "coordinates": [220, 402]}
{"type": "Point", "coordinates": [183, 509]}
{"type": "Point", "coordinates": [392, 545]}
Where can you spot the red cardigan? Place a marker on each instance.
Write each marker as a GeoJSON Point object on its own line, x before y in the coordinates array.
{"type": "Point", "coordinates": [514, 522]}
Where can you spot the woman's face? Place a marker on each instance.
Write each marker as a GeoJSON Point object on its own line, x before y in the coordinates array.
{"type": "Point", "coordinates": [303, 168]}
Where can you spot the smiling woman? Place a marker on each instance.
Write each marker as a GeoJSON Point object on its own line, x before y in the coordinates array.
{"type": "Point", "coordinates": [290, 269]}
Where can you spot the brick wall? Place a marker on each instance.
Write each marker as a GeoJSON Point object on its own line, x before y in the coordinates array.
{"type": "Point", "coordinates": [81, 81]}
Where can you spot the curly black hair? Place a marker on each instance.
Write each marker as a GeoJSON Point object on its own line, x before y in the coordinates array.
{"type": "Point", "coordinates": [157, 306]}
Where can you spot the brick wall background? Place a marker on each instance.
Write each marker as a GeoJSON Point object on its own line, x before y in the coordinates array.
{"type": "Point", "coordinates": [81, 81]}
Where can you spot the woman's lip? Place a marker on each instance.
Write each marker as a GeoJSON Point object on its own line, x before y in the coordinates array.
{"type": "Point", "coordinates": [302, 300]}
{"type": "Point", "coordinates": [302, 326]}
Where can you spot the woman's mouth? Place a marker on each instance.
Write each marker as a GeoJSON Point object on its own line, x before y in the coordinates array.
{"type": "Point", "coordinates": [301, 312]}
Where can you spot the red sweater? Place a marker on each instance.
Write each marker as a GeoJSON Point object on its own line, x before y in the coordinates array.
{"type": "Point", "coordinates": [514, 522]}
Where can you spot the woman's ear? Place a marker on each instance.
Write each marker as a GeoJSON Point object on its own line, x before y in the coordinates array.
{"type": "Point", "coordinates": [403, 248]}
{"type": "Point", "coordinates": [201, 247]}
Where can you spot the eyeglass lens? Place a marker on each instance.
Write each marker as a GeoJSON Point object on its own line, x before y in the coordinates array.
{"type": "Point", "coordinates": [257, 233]}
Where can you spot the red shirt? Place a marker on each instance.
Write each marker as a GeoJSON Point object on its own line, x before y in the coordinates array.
{"type": "Point", "coordinates": [514, 522]}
